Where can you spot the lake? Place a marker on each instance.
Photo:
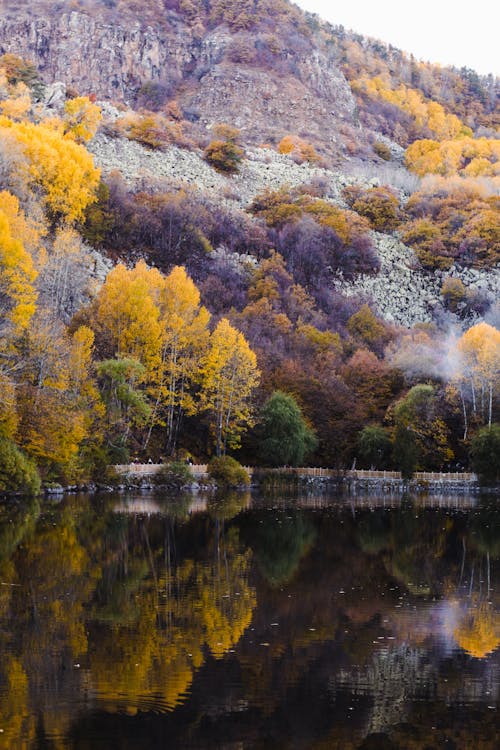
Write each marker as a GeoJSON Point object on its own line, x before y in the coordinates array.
{"type": "Point", "coordinates": [147, 621]}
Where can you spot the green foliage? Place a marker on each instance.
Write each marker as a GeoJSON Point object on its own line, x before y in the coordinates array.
{"type": "Point", "coordinates": [279, 546]}
{"type": "Point", "coordinates": [420, 437]}
{"type": "Point", "coordinates": [374, 445]}
{"type": "Point", "coordinates": [485, 454]}
{"type": "Point", "coordinates": [286, 437]}
{"type": "Point", "coordinates": [174, 474]}
{"type": "Point", "coordinates": [17, 472]}
{"type": "Point", "coordinates": [228, 472]}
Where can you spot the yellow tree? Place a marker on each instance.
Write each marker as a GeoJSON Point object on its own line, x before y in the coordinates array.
{"type": "Point", "coordinates": [60, 168]}
{"type": "Point", "coordinates": [17, 274]}
{"type": "Point", "coordinates": [479, 366]}
{"type": "Point", "coordinates": [184, 340]}
{"type": "Point", "coordinates": [128, 314]}
{"type": "Point", "coordinates": [81, 118]}
{"type": "Point", "coordinates": [229, 378]}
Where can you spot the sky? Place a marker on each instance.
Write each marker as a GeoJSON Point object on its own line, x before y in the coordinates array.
{"type": "Point", "coordinates": [449, 32]}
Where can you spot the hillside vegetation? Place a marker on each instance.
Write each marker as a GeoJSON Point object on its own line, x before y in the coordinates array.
{"type": "Point", "coordinates": [152, 310]}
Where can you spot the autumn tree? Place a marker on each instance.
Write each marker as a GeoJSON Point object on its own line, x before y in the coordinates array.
{"type": "Point", "coordinates": [81, 118]}
{"type": "Point", "coordinates": [420, 435]}
{"type": "Point", "coordinates": [229, 377]}
{"type": "Point", "coordinates": [61, 169]}
{"type": "Point", "coordinates": [17, 272]}
{"type": "Point", "coordinates": [479, 369]}
{"type": "Point", "coordinates": [184, 339]}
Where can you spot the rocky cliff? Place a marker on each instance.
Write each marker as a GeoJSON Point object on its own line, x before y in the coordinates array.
{"type": "Point", "coordinates": [91, 53]}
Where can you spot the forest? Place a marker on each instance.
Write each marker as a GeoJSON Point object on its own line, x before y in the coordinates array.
{"type": "Point", "coordinates": [216, 330]}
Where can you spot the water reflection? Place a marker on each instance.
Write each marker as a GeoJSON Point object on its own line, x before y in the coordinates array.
{"type": "Point", "coordinates": [224, 620]}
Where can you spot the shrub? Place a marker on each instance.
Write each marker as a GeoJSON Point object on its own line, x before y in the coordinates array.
{"type": "Point", "coordinates": [379, 205]}
{"type": "Point", "coordinates": [453, 292]}
{"type": "Point", "coordinates": [17, 472]}
{"type": "Point", "coordinates": [382, 150]}
{"type": "Point", "coordinates": [298, 149]}
{"type": "Point", "coordinates": [175, 474]}
{"type": "Point", "coordinates": [224, 153]}
{"type": "Point", "coordinates": [228, 472]}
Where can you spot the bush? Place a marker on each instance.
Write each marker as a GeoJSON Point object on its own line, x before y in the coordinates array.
{"type": "Point", "coordinates": [175, 474]}
{"type": "Point", "coordinates": [228, 472]}
{"type": "Point", "coordinates": [17, 472]}
{"type": "Point", "coordinates": [382, 150]}
{"type": "Point", "coordinates": [453, 292]}
{"type": "Point", "coordinates": [224, 153]}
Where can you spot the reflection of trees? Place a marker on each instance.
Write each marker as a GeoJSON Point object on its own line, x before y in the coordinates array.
{"type": "Point", "coordinates": [478, 629]}
{"type": "Point", "coordinates": [392, 678]}
{"type": "Point", "coordinates": [279, 544]}
{"type": "Point", "coordinates": [182, 607]}
{"type": "Point", "coordinates": [478, 632]}
{"type": "Point", "coordinates": [116, 600]}
{"type": "Point", "coordinates": [412, 542]}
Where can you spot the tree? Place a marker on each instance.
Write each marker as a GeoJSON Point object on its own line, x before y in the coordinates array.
{"type": "Point", "coordinates": [60, 168]}
{"type": "Point", "coordinates": [184, 339]}
{"type": "Point", "coordinates": [17, 273]}
{"type": "Point", "coordinates": [285, 436]}
{"type": "Point", "coordinates": [229, 377]}
{"type": "Point", "coordinates": [420, 436]}
{"type": "Point", "coordinates": [479, 366]}
{"type": "Point", "coordinates": [81, 118]}
{"type": "Point", "coordinates": [17, 472]}
{"type": "Point", "coordinates": [374, 445]}
{"type": "Point", "coordinates": [485, 453]}
{"type": "Point", "coordinates": [126, 404]}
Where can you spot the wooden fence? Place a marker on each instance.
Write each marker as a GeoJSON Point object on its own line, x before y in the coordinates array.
{"type": "Point", "coordinates": [200, 470]}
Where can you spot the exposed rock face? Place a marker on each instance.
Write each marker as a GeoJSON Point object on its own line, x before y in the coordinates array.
{"type": "Point", "coordinates": [93, 55]}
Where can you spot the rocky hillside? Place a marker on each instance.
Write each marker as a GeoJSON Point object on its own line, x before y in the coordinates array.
{"type": "Point", "coordinates": [269, 70]}
{"type": "Point", "coordinates": [252, 79]}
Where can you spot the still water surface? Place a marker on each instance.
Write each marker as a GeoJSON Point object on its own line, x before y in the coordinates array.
{"type": "Point", "coordinates": [155, 622]}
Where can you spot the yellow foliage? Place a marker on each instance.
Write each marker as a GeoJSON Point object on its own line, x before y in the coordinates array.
{"type": "Point", "coordinates": [426, 113]}
{"type": "Point", "coordinates": [18, 104]}
{"type": "Point", "coordinates": [17, 273]}
{"type": "Point", "coordinates": [479, 631]}
{"type": "Point", "coordinates": [298, 148]}
{"type": "Point", "coordinates": [230, 375]}
{"type": "Point", "coordinates": [57, 165]}
{"type": "Point", "coordinates": [81, 118]}
{"type": "Point", "coordinates": [471, 157]}
{"type": "Point", "coordinates": [128, 313]}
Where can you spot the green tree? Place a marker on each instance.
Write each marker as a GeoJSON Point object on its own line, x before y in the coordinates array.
{"type": "Point", "coordinates": [485, 453]}
{"type": "Point", "coordinates": [374, 445]}
{"type": "Point", "coordinates": [286, 437]}
{"type": "Point", "coordinates": [420, 436]}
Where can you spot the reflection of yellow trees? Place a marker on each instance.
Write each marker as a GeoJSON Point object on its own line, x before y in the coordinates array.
{"type": "Point", "coordinates": [152, 662]}
{"type": "Point", "coordinates": [479, 631]}
{"type": "Point", "coordinates": [14, 705]}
